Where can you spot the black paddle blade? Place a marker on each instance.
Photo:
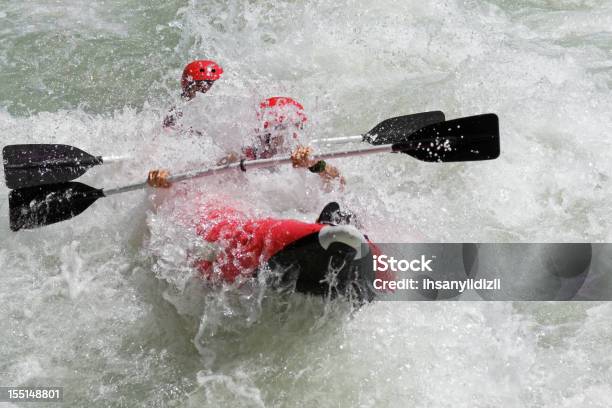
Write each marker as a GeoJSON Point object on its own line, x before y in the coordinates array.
{"type": "Point", "coordinates": [465, 139]}
{"type": "Point", "coordinates": [28, 165]}
{"type": "Point", "coordinates": [34, 207]}
{"type": "Point", "coordinates": [398, 130]}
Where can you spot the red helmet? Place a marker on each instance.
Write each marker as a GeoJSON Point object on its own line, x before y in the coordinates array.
{"type": "Point", "coordinates": [280, 110]}
{"type": "Point", "coordinates": [201, 70]}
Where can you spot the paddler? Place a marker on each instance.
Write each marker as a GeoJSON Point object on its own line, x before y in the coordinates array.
{"type": "Point", "coordinates": [198, 77]}
{"type": "Point", "coordinates": [281, 120]}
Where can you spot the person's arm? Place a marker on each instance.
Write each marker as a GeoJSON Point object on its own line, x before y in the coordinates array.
{"type": "Point", "coordinates": [172, 117]}
{"type": "Point", "coordinates": [230, 158]}
{"type": "Point", "coordinates": [248, 153]}
{"type": "Point", "coordinates": [301, 158]}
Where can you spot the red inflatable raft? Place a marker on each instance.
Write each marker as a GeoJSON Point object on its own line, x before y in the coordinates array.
{"type": "Point", "coordinates": [317, 258]}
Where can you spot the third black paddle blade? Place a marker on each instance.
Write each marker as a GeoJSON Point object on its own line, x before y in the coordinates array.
{"type": "Point", "coordinates": [398, 129]}
{"type": "Point", "coordinates": [471, 138]}
{"type": "Point", "coordinates": [28, 165]}
{"type": "Point", "coordinates": [34, 207]}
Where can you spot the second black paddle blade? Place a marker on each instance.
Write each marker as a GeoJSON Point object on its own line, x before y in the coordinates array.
{"type": "Point", "coordinates": [471, 138]}
{"type": "Point", "coordinates": [399, 129]}
{"type": "Point", "coordinates": [34, 207]}
{"type": "Point", "coordinates": [28, 165]}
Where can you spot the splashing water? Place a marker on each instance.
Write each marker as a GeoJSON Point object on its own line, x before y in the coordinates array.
{"type": "Point", "coordinates": [105, 304]}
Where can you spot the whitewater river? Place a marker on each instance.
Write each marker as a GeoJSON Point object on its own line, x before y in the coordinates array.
{"type": "Point", "coordinates": [103, 305]}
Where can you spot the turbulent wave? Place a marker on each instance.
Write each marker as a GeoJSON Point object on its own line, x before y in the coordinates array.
{"type": "Point", "coordinates": [104, 305]}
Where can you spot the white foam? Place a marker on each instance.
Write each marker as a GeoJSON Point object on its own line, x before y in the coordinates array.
{"type": "Point", "coordinates": [108, 316]}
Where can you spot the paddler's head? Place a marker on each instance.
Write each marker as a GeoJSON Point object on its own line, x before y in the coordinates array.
{"type": "Point", "coordinates": [281, 119]}
{"type": "Point", "coordinates": [199, 76]}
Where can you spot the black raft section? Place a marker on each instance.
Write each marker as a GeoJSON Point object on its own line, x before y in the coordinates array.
{"type": "Point", "coordinates": [314, 270]}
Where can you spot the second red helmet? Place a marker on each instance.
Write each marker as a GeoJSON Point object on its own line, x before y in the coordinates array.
{"type": "Point", "coordinates": [200, 70]}
{"type": "Point", "coordinates": [280, 110]}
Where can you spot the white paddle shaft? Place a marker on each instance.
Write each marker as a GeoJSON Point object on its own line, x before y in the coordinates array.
{"type": "Point", "coordinates": [114, 159]}
{"type": "Point", "coordinates": [338, 140]}
{"type": "Point", "coordinates": [254, 164]}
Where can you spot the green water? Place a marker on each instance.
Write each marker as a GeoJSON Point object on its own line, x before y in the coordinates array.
{"type": "Point", "coordinates": [96, 304]}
